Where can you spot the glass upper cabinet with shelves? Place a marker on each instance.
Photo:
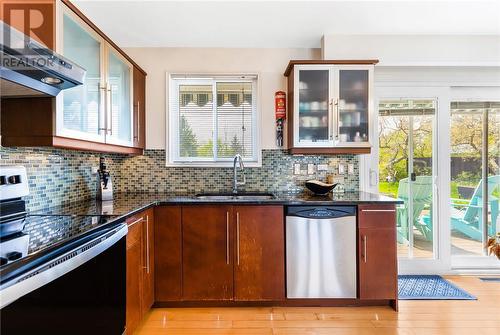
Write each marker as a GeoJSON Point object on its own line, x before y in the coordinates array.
{"type": "Point", "coordinates": [100, 110]}
{"type": "Point", "coordinates": [330, 103]}
{"type": "Point", "coordinates": [80, 109]}
{"type": "Point", "coordinates": [119, 99]}
{"type": "Point", "coordinates": [312, 115]}
{"type": "Point", "coordinates": [352, 106]}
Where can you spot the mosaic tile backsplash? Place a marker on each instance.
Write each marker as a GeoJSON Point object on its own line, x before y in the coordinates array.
{"type": "Point", "coordinates": [58, 176]}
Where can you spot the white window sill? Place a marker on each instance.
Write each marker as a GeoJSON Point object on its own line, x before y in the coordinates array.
{"type": "Point", "coordinates": [211, 164]}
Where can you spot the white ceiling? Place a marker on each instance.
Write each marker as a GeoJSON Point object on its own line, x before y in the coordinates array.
{"type": "Point", "coordinates": [280, 24]}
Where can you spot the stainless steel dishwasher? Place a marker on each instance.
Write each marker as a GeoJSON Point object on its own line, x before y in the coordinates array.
{"type": "Point", "coordinates": [321, 251]}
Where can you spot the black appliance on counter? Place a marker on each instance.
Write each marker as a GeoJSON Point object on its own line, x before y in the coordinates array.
{"type": "Point", "coordinates": [59, 274]}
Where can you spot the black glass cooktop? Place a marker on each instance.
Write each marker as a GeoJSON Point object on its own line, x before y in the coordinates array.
{"type": "Point", "coordinates": [46, 231]}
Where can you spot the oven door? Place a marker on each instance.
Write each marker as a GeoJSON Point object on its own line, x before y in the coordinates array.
{"type": "Point", "coordinates": [87, 299]}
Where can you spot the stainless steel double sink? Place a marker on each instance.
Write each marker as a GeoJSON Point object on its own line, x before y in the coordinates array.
{"type": "Point", "coordinates": [238, 196]}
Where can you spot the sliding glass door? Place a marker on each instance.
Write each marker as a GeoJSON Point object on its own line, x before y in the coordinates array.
{"type": "Point", "coordinates": [474, 178]}
{"type": "Point", "coordinates": [438, 151]}
{"type": "Point", "coordinates": [407, 170]}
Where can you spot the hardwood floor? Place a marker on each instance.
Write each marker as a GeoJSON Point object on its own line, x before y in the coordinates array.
{"type": "Point", "coordinates": [481, 317]}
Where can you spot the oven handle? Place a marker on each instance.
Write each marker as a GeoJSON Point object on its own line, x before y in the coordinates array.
{"type": "Point", "coordinates": [57, 267]}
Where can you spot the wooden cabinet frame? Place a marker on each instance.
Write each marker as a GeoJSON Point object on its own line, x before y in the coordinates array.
{"type": "Point", "coordinates": [333, 66]}
{"type": "Point", "coordinates": [33, 122]}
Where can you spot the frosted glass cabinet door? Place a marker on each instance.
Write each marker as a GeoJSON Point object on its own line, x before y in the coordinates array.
{"type": "Point", "coordinates": [80, 112]}
{"type": "Point", "coordinates": [352, 107]}
{"type": "Point", "coordinates": [119, 100]}
{"type": "Point", "coordinates": [312, 110]}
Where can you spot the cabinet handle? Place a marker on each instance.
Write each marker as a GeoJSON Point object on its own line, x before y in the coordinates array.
{"type": "Point", "coordinates": [147, 245]}
{"type": "Point", "coordinates": [330, 115]}
{"type": "Point", "coordinates": [227, 238]}
{"type": "Point", "coordinates": [238, 238]}
{"type": "Point", "coordinates": [105, 128]}
{"type": "Point", "coordinates": [110, 129]}
{"type": "Point", "coordinates": [365, 242]}
{"type": "Point", "coordinates": [136, 221]}
{"type": "Point", "coordinates": [337, 119]}
{"type": "Point", "coordinates": [378, 210]}
{"type": "Point", "coordinates": [138, 119]}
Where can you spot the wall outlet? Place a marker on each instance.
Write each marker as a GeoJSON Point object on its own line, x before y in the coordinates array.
{"type": "Point", "coordinates": [339, 188]}
{"type": "Point", "coordinates": [341, 169]}
{"type": "Point", "coordinates": [311, 168]}
{"type": "Point", "coordinates": [322, 167]}
{"type": "Point", "coordinates": [296, 168]}
{"type": "Point", "coordinates": [350, 168]}
{"type": "Point", "coordinates": [95, 169]}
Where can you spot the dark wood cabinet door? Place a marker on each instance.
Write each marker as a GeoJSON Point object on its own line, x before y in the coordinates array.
{"type": "Point", "coordinates": [378, 272]}
{"type": "Point", "coordinates": [168, 253]}
{"type": "Point", "coordinates": [259, 253]}
{"type": "Point", "coordinates": [207, 258]}
{"type": "Point", "coordinates": [139, 109]}
{"type": "Point", "coordinates": [134, 275]}
{"type": "Point", "coordinates": [148, 269]}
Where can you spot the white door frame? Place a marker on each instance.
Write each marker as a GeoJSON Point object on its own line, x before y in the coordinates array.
{"type": "Point", "coordinates": [474, 264]}
{"type": "Point", "coordinates": [440, 264]}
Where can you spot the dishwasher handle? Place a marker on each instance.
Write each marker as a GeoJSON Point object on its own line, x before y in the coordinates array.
{"type": "Point", "coordinates": [321, 212]}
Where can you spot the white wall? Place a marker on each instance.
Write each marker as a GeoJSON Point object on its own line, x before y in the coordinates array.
{"type": "Point", "coordinates": [269, 64]}
{"type": "Point", "coordinates": [415, 50]}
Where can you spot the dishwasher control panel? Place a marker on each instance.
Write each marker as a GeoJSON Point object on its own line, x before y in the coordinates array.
{"type": "Point", "coordinates": [321, 212]}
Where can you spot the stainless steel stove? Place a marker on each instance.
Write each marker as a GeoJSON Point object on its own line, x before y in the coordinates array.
{"type": "Point", "coordinates": [58, 271]}
{"type": "Point", "coordinates": [13, 186]}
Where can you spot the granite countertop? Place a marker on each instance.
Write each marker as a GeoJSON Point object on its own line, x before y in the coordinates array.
{"type": "Point", "coordinates": [48, 228]}
{"type": "Point", "coordinates": [125, 204]}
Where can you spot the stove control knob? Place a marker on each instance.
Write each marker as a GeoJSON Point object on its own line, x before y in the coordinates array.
{"type": "Point", "coordinates": [3, 260]}
{"type": "Point", "coordinates": [3, 180]}
{"type": "Point", "coordinates": [12, 256]}
{"type": "Point", "coordinates": [16, 179]}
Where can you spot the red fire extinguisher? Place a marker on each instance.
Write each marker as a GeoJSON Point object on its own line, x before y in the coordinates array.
{"type": "Point", "coordinates": [280, 111]}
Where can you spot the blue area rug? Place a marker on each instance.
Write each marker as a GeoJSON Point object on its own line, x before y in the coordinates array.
{"type": "Point", "coordinates": [418, 287]}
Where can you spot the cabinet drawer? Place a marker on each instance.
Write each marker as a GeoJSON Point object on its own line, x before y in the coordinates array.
{"type": "Point", "coordinates": [377, 216]}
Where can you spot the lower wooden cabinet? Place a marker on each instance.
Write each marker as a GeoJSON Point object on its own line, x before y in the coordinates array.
{"type": "Point", "coordinates": [207, 265]}
{"type": "Point", "coordinates": [140, 268]}
{"type": "Point", "coordinates": [168, 253]}
{"type": "Point", "coordinates": [219, 253]}
{"type": "Point", "coordinates": [259, 268]}
{"type": "Point", "coordinates": [377, 252]}
{"type": "Point", "coordinates": [134, 273]}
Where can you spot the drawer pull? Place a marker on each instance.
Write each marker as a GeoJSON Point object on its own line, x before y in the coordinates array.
{"type": "Point", "coordinates": [135, 222]}
{"type": "Point", "coordinates": [378, 210]}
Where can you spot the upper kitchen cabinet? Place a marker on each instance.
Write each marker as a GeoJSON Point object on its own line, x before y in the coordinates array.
{"type": "Point", "coordinates": [105, 114]}
{"type": "Point", "coordinates": [80, 111]}
{"type": "Point", "coordinates": [330, 106]}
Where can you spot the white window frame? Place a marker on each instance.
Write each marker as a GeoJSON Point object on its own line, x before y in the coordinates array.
{"type": "Point", "coordinates": [172, 135]}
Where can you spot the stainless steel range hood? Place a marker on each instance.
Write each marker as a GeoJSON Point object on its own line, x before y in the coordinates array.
{"type": "Point", "coordinates": [29, 68]}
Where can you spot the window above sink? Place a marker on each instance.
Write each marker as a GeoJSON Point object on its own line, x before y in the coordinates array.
{"type": "Point", "coordinates": [211, 119]}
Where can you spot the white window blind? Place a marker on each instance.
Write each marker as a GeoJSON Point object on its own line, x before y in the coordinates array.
{"type": "Point", "coordinates": [211, 119]}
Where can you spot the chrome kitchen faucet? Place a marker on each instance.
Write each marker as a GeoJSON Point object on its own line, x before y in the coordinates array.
{"type": "Point", "coordinates": [237, 183]}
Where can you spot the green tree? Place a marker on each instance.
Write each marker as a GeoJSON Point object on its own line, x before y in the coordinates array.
{"type": "Point", "coordinates": [206, 150]}
{"type": "Point", "coordinates": [236, 146]}
{"type": "Point", "coordinates": [189, 143]}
